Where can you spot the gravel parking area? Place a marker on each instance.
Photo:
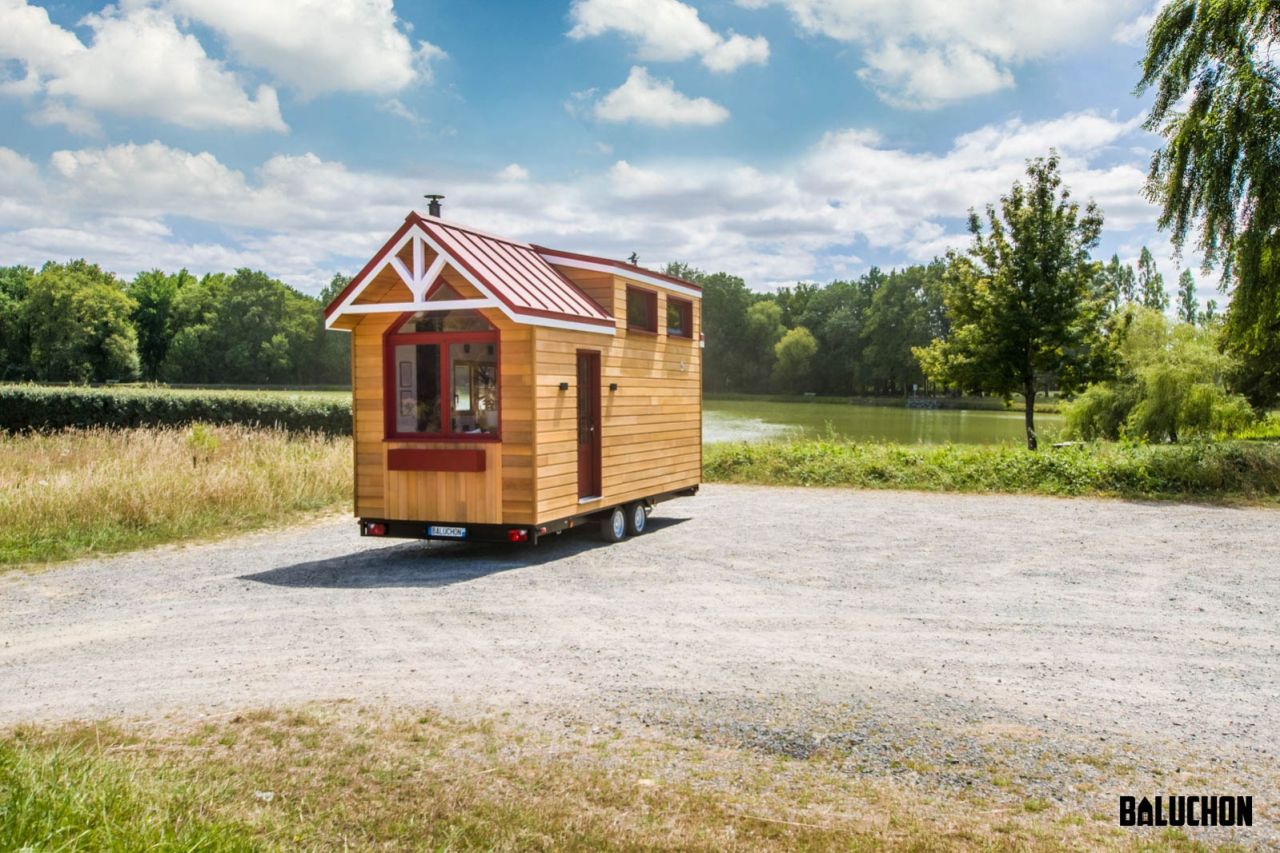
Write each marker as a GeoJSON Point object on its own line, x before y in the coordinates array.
{"type": "Point", "coordinates": [1082, 631]}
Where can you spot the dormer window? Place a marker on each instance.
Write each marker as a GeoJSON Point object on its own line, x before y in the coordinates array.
{"type": "Point", "coordinates": [642, 310]}
{"type": "Point", "coordinates": [679, 317]}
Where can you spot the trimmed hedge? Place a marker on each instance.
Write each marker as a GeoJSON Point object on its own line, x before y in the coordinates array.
{"type": "Point", "coordinates": [1215, 470]}
{"type": "Point", "coordinates": [36, 407]}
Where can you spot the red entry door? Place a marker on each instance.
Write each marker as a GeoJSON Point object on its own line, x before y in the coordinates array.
{"type": "Point", "coordinates": [588, 424]}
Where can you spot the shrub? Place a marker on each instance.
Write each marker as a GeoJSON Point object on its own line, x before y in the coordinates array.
{"type": "Point", "coordinates": [1171, 386]}
{"type": "Point", "coordinates": [1197, 469]}
{"type": "Point", "coordinates": [33, 407]}
{"type": "Point", "coordinates": [1099, 412]}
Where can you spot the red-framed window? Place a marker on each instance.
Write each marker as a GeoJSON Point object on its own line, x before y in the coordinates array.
{"type": "Point", "coordinates": [642, 310]}
{"type": "Point", "coordinates": [441, 372]}
{"type": "Point", "coordinates": [679, 317]}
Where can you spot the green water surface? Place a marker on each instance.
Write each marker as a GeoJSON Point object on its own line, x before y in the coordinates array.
{"type": "Point", "coordinates": [749, 420]}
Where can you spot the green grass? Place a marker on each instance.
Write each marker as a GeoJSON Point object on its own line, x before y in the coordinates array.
{"type": "Point", "coordinates": [63, 794]}
{"type": "Point", "coordinates": [1202, 471]}
{"type": "Point", "coordinates": [80, 492]}
{"type": "Point", "coordinates": [1266, 429]}
{"type": "Point", "coordinates": [338, 776]}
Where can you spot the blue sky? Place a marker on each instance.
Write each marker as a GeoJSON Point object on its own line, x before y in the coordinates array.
{"type": "Point", "coordinates": [782, 140]}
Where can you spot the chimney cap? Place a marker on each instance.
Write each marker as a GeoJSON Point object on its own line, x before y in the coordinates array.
{"type": "Point", "coordinates": [433, 203]}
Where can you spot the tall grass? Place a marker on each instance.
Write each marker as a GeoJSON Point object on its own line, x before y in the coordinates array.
{"type": "Point", "coordinates": [62, 795]}
{"type": "Point", "coordinates": [1206, 470]}
{"type": "Point", "coordinates": [79, 492]}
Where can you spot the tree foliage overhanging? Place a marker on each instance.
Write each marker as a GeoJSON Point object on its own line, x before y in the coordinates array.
{"type": "Point", "coordinates": [1212, 66]}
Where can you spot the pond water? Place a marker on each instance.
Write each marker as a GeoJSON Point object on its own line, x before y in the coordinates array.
{"type": "Point", "coordinates": [749, 420]}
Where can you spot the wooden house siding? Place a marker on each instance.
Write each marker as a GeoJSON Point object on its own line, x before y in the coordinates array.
{"type": "Point", "coordinates": [651, 431]}
{"type": "Point", "coordinates": [502, 493]}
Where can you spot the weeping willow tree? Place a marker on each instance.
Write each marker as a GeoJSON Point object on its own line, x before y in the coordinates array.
{"type": "Point", "coordinates": [1212, 66]}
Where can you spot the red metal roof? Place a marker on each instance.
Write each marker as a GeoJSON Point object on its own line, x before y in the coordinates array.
{"type": "Point", "coordinates": [622, 265]}
{"type": "Point", "coordinates": [513, 272]}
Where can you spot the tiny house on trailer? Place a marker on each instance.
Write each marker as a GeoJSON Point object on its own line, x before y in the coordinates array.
{"type": "Point", "coordinates": [506, 391]}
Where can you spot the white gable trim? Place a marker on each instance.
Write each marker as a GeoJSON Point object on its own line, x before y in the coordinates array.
{"type": "Point", "coordinates": [418, 281]}
{"type": "Point", "coordinates": [596, 266]}
{"type": "Point", "coordinates": [434, 305]}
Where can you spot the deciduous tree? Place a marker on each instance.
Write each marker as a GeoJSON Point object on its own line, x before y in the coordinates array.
{"type": "Point", "coordinates": [1151, 292]}
{"type": "Point", "coordinates": [15, 337]}
{"type": "Point", "coordinates": [79, 320]}
{"type": "Point", "coordinates": [154, 291]}
{"type": "Point", "coordinates": [1188, 302]}
{"type": "Point", "coordinates": [1023, 300]}
{"type": "Point", "coordinates": [793, 368]}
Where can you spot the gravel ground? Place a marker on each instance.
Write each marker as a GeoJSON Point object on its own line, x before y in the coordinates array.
{"type": "Point", "coordinates": [965, 640]}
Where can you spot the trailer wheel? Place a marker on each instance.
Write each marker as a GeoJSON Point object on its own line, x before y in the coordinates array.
{"type": "Point", "coordinates": [637, 518]}
{"type": "Point", "coordinates": [613, 525]}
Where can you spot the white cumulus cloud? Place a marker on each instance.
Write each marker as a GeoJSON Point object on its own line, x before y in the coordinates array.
{"type": "Point", "coordinates": [645, 99]}
{"type": "Point", "coordinates": [666, 31]}
{"type": "Point", "coordinates": [336, 46]}
{"type": "Point", "coordinates": [138, 63]}
{"type": "Point", "coordinates": [928, 53]}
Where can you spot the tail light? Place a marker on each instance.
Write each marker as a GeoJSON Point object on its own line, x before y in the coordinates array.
{"type": "Point", "coordinates": [375, 528]}
{"type": "Point", "coordinates": [517, 536]}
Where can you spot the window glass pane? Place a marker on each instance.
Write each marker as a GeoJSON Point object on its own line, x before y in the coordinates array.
{"type": "Point", "coordinates": [474, 373]}
{"type": "Point", "coordinates": [445, 321]}
{"type": "Point", "coordinates": [417, 388]}
{"type": "Point", "coordinates": [677, 317]}
{"type": "Point", "coordinates": [640, 310]}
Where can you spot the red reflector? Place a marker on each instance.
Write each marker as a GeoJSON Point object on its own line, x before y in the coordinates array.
{"type": "Point", "coordinates": [376, 529]}
{"type": "Point", "coordinates": [517, 536]}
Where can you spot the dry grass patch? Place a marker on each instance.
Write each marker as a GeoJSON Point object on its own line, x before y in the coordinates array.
{"type": "Point", "coordinates": [81, 492]}
{"type": "Point", "coordinates": [340, 776]}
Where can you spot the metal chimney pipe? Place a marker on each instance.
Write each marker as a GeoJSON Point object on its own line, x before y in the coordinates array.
{"type": "Point", "coordinates": [433, 204]}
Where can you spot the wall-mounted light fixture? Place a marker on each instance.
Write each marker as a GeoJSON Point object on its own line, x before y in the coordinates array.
{"type": "Point", "coordinates": [613, 386]}
{"type": "Point", "coordinates": [564, 386]}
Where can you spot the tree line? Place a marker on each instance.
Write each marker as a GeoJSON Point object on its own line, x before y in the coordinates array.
{"type": "Point", "coordinates": [75, 322]}
{"type": "Point", "coordinates": [859, 337]}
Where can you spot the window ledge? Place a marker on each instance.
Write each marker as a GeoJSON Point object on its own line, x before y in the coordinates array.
{"type": "Point", "coordinates": [441, 439]}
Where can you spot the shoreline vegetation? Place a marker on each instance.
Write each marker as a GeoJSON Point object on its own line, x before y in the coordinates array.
{"type": "Point", "coordinates": [1213, 471]}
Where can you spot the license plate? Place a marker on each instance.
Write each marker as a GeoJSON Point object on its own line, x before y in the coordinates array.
{"type": "Point", "coordinates": [447, 532]}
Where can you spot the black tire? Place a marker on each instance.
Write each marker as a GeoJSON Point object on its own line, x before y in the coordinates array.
{"type": "Point", "coordinates": [637, 518]}
{"type": "Point", "coordinates": [613, 525]}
